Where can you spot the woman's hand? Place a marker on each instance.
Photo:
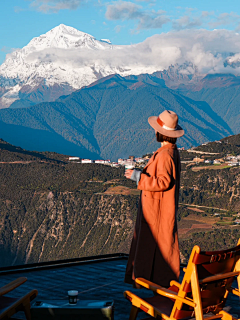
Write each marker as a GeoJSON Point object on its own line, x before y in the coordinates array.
{"type": "Point", "coordinates": [128, 173]}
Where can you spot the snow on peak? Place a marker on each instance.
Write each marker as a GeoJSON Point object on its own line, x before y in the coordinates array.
{"type": "Point", "coordinates": [66, 37]}
{"type": "Point", "coordinates": [56, 57]}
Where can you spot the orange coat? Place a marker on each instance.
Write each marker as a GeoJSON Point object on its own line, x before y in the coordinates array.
{"type": "Point", "coordinates": [154, 253]}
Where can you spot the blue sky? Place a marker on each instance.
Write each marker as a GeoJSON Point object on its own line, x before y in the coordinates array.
{"type": "Point", "coordinates": [123, 22]}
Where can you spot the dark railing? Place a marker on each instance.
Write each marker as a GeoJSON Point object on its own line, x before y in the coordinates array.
{"type": "Point", "coordinates": [62, 263]}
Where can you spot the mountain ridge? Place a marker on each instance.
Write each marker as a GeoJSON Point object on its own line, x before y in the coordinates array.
{"type": "Point", "coordinates": [109, 119]}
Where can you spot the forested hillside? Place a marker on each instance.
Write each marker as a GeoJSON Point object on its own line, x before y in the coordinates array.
{"type": "Point", "coordinates": [108, 119]}
{"type": "Point", "coordinates": [213, 188]}
{"type": "Point", "coordinates": [221, 92]}
{"type": "Point", "coordinates": [52, 209]}
{"type": "Point", "coordinates": [228, 145]}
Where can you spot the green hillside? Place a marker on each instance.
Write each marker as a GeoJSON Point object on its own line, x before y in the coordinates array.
{"type": "Point", "coordinates": [221, 93]}
{"type": "Point", "coordinates": [109, 118]}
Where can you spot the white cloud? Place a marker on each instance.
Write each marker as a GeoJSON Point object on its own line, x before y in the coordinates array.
{"type": "Point", "coordinates": [193, 19]}
{"type": "Point", "coordinates": [124, 10]}
{"type": "Point", "coordinates": [53, 6]}
{"type": "Point", "coordinates": [186, 22]}
{"type": "Point", "coordinates": [225, 19]}
{"type": "Point", "coordinates": [207, 50]}
{"type": "Point", "coordinates": [207, 13]}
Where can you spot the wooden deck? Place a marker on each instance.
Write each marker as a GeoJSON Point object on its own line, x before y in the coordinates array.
{"type": "Point", "coordinates": [99, 280]}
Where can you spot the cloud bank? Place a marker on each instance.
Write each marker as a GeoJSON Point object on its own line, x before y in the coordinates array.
{"type": "Point", "coordinates": [210, 51]}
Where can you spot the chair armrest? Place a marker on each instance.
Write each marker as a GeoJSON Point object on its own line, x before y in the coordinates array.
{"type": "Point", "coordinates": [175, 283]}
{"type": "Point", "coordinates": [234, 291]}
{"type": "Point", "coordinates": [12, 285]}
{"type": "Point", "coordinates": [163, 291]}
{"type": "Point", "coordinates": [20, 304]}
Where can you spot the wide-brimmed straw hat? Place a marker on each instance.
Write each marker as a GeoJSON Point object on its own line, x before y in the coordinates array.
{"type": "Point", "coordinates": [166, 124]}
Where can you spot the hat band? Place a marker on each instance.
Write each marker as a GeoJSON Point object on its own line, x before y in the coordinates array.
{"type": "Point", "coordinates": [159, 121]}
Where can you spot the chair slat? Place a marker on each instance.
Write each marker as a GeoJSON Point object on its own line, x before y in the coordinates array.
{"type": "Point", "coordinates": [218, 316]}
{"type": "Point", "coordinates": [219, 277]}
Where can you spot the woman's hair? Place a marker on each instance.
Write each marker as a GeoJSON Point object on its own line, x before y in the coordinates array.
{"type": "Point", "coordinates": [161, 138]}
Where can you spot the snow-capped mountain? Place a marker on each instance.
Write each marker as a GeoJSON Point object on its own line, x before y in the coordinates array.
{"type": "Point", "coordinates": [65, 59]}
{"type": "Point", "coordinates": [65, 37]}
{"type": "Point", "coordinates": [52, 60]}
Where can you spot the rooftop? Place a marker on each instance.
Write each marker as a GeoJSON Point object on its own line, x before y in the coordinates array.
{"type": "Point", "coordinates": [96, 278]}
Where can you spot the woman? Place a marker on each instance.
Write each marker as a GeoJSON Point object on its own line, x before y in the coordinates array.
{"type": "Point", "coordinates": [154, 253]}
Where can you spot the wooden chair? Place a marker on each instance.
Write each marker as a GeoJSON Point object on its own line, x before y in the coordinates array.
{"type": "Point", "coordinates": [206, 284]}
{"type": "Point", "coordinates": [9, 306]}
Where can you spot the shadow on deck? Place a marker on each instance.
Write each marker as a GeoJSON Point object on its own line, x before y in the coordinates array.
{"type": "Point", "coordinates": [95, 278]}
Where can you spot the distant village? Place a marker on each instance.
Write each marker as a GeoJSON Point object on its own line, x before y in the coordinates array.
{"type": "Point", "coordinates": [133, 161]}
{"type": "Point", "coordinates": [129, 163]}
{"type": "Point", "coordinates": [229, 160]}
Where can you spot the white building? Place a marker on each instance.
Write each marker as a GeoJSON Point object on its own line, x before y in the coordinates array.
{"type": "Point", "coordinates": [208, 161]}
{"type": "Point", "coordinates": [100, 161]}
{"type": "Point", "coordinates": [120, 161]}
{"type": "Point", "coordinates": [87, 161]}
{"type": "Point", "coordinates": [114, 164]}
{"type": "Point", "coordinates": [73, 158]}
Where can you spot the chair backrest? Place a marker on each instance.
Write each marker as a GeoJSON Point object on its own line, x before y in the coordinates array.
{"type": "Point", "coordinates": [207, 279]}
